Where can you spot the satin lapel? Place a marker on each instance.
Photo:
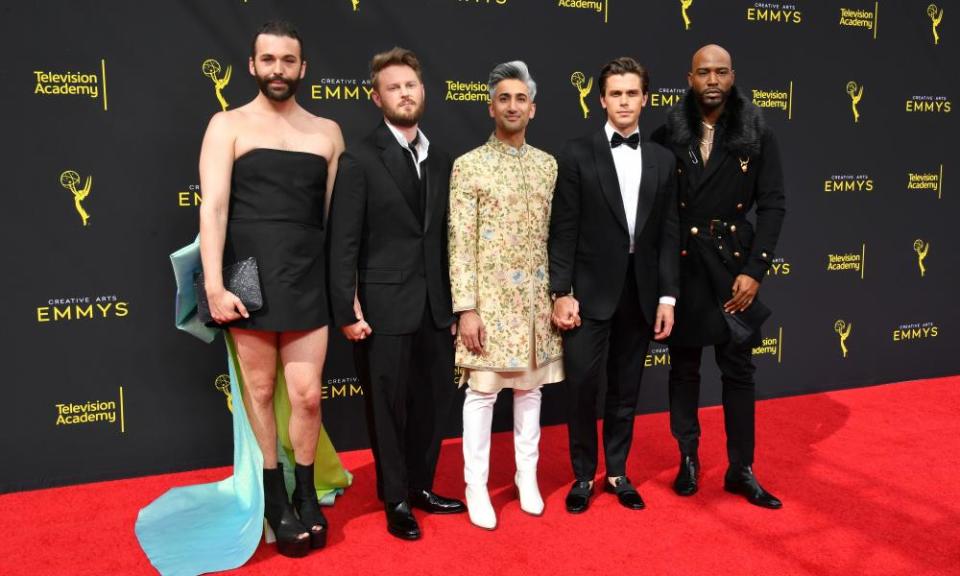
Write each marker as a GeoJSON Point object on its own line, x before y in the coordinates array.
{"type": "Point", "coordinates": [607, 171]}
{"type": "Point", "coordinates": [393, 158]}
{"type": "Point", "coordinates": [649, 182]}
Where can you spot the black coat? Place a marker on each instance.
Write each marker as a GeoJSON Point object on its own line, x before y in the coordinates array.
{"type": "Point", "coordinates": [380, 248]}
{"type": "Point", "coordinates": [589, 240]}
{"type": "Point", "coordinates": [743, 173]}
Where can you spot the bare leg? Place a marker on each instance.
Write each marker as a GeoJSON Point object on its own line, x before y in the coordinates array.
{"type": "Point", "coordinates": [303, 355]}
{"type": "Point", "coordinates": [257, 352]}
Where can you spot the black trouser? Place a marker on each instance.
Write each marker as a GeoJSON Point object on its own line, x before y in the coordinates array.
{"type": "Point", "coordinates": [408, 387]}
{"type": "Point", "coordinates": [736, 369]}
{"type": "Point", "coordinates": [621, 344]}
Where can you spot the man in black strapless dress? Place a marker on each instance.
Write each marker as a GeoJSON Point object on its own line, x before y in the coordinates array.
{"type": "Point", "coordinates": [265, 170]}
{"type": "Point", "coordinates": [390, 290]}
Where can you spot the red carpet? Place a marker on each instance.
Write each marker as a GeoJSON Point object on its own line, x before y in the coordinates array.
{"type": "Point", "coordinates": [868, 478]}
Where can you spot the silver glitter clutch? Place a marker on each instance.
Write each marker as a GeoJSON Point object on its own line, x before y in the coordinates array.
{"type": "Point", "coordinates": [242, 279]}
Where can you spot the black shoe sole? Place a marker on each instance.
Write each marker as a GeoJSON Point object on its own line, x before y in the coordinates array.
{"type": "Point", "coordinates": [403, 535]}
{"type": "Point", "coordinates": [735, 490]}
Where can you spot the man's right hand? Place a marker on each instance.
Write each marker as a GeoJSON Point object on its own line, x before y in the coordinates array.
{"type": "Point", "coordinates": [566, 313]}
{"type": "Point", "coordinates": [472, 332]}
{"type": "Point", "coordinates": [359, 330]}
{"type": "Point", "coordinates": [225, 306]}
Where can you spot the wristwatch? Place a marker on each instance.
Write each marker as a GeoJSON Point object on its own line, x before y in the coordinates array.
{"type": "Point", "coordinates": [559, 294]}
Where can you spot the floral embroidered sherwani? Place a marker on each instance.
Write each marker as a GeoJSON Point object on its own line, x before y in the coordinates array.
{"type": "Point", "coordinates": [500, 200]}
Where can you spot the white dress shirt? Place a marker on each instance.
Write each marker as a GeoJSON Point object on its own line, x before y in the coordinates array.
{"type": "Point", "coordinates": [629, 165]}
{"type": "Point", "coordinates": [423, 145]}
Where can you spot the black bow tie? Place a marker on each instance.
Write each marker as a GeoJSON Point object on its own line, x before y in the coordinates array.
{"type": "Point", "coordinates": [633, 141]}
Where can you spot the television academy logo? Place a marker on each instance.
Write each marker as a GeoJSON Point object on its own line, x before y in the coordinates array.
{"type": "Point", "coordinates": [855, 92]}
{"type": "Point", "coordinates": [211, 69]}
{"type": "Point", "coordinates": [51, 83]}
{"type": "Point", "coordinates": [598, 6]}
{"type": "Point", "coordinates": [577, 79]}
{"type": "Point", "coordinates": [922, 249]}
{"type": "Point", "coordinates": [862, 18]}
{"type": "Point", "coordinates": [843, 330]}
{"type": "Point", "coordinates": [70, 179]}
{"type": "Point", "coordinates": [356, 5]}
{"type": "Point", "coordinates": [926, 181]}
{"type": "Point", "coordinates": [92, 412]}
{"type": "Point", "coordinates": [776, 99]}
{"type": "Point", "coordinates": [849, 261]}
{"type": "Point", "coordinates": [936, 16]}
{"type": "Point", "coordinates": [771, 346]}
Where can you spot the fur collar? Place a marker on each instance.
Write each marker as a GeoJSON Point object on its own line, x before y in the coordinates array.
{"type": "Point", "coordinates": [742, 124]}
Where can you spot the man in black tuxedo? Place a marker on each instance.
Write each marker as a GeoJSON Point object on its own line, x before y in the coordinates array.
{"type": "Point", "coordinates": [729, 163]}
{"type": "Point", "coordinates": [390, 290]}
{"type": "Point", "coordinates": [613, 275]}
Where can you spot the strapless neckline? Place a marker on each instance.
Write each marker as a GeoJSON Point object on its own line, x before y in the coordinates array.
{"type": "Point", "coordinates": [252, 151]}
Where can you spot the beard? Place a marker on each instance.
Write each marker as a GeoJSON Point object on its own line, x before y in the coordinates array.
{"type": "Point", "coordinates": [402, 119]}
{"type": "Point", "coordinates": [273, 94]}
{"type": "Point", "coordinates": [713, 100]}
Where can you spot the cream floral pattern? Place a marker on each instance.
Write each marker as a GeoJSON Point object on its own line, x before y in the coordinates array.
{"type": "Point", "coordinates": [499, 220]}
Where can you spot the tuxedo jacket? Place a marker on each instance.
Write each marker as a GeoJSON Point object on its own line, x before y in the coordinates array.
{"type": "Point", "coordinates": [743, 174]}
{"type": "Point", "coordinates": [393, 258]}
{"type": "Point", "coordinates": [589, 240]}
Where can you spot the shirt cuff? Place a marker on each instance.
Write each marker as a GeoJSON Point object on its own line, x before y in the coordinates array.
{"type": "Point", "coordinates": [670, 300]}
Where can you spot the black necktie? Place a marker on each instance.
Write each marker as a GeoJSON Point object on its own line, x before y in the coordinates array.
{"type": "Point", "coordinates": [633, 141]}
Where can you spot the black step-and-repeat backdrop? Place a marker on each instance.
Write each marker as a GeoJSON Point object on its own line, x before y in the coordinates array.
{"type": "Point", "coordinates": [104, 105]}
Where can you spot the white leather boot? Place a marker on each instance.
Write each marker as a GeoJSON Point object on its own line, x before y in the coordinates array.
{"type": "Point", "coordinates": [526, 446]}
{"type": "Point", "coordinates": [477, 418]}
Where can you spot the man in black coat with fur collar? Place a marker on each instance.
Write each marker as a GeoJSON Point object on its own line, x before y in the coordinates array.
{"type": "Point", "coordinates": [728, 163]}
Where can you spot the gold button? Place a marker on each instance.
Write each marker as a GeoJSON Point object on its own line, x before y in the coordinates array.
{"type": "Point", "coordinates": [764, 254]}
{"type": "Point", "coordinates": [737, 254]}
{"type": "Point", "coordinates": [739, 206]}
{"type": "Point", "coordinates": [733, 228]}
{"type": "Point", "coordinates": [694, 231]}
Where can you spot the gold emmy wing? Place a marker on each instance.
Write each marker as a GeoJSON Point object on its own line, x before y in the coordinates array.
{"type": "Point", "coordinates": [499, 220]}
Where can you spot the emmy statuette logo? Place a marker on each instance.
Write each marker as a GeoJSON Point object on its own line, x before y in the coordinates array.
{"type": "Point", "coordinates": [843, 330]}
{"type": "Point", "coordinates": [211, 69]}
{"type": "Point", "coordinates": [856, 93]}
{"type": "Point", "coordinates": [577, 79]}
{"type": "Point", "coordinates": [69, 179]}
{"type": "Point", "coordinates": [684, 5]}
{"type": "Point", "coordinates": [936, 16]}
{"type": "Point", "coordinates": [356, 5]}
{"type": "Point", "coordinates": [222, 383]}
{"type": "Point", "coordinates": [922, 249]}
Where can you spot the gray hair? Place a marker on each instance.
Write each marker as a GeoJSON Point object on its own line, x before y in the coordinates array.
{"type": "Point", "coordinates": [516, 70]}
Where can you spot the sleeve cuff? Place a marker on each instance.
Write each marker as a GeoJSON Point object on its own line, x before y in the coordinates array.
{"type": "Point", "coordinates": [668, 300]}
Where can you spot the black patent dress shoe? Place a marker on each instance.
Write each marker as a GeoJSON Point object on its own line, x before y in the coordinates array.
{"type": "Point", "coordinates": [428, 501]}
{"type": "Point", "coordinates": [401, 522]}
{"type": "Point", "coordinates": [740, 480]}
{"type": "Point", "coordinates": [686, 481]}
{"type": "Point", "coordinates": [578, 498]}
{"type": "Point", "coordinates": [626, 493]}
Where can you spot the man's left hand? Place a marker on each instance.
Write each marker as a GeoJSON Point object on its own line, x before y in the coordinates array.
{"type": "Point", "coordinates": [744, 293]}
{"type": "Point", "coordinates": [664, 322]}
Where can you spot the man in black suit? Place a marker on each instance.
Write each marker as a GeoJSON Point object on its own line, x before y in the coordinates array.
{"type": "Point", "coordinates": [613, 275]}
{"type": "Point", "coordinates": [390, 290]}
{"type": "Point", "coordinates": [729, 163]}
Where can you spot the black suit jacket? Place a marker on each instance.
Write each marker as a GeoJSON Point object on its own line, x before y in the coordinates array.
{"type": "Point", "coordinates": [380, 248]}
{"type": "Point", "coordinates": [589, 239]}
{"type": "Point", "coordinates": [743, 174]}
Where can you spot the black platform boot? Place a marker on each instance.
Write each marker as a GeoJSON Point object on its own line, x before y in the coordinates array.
{"type": "Point", "coordinates": [291, 536]}
{"type": "Point", "coordinates": [307, 506]}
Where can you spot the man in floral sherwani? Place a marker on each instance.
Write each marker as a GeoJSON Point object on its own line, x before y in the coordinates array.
{"type": "Point", "coordinates": [500, 197]}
